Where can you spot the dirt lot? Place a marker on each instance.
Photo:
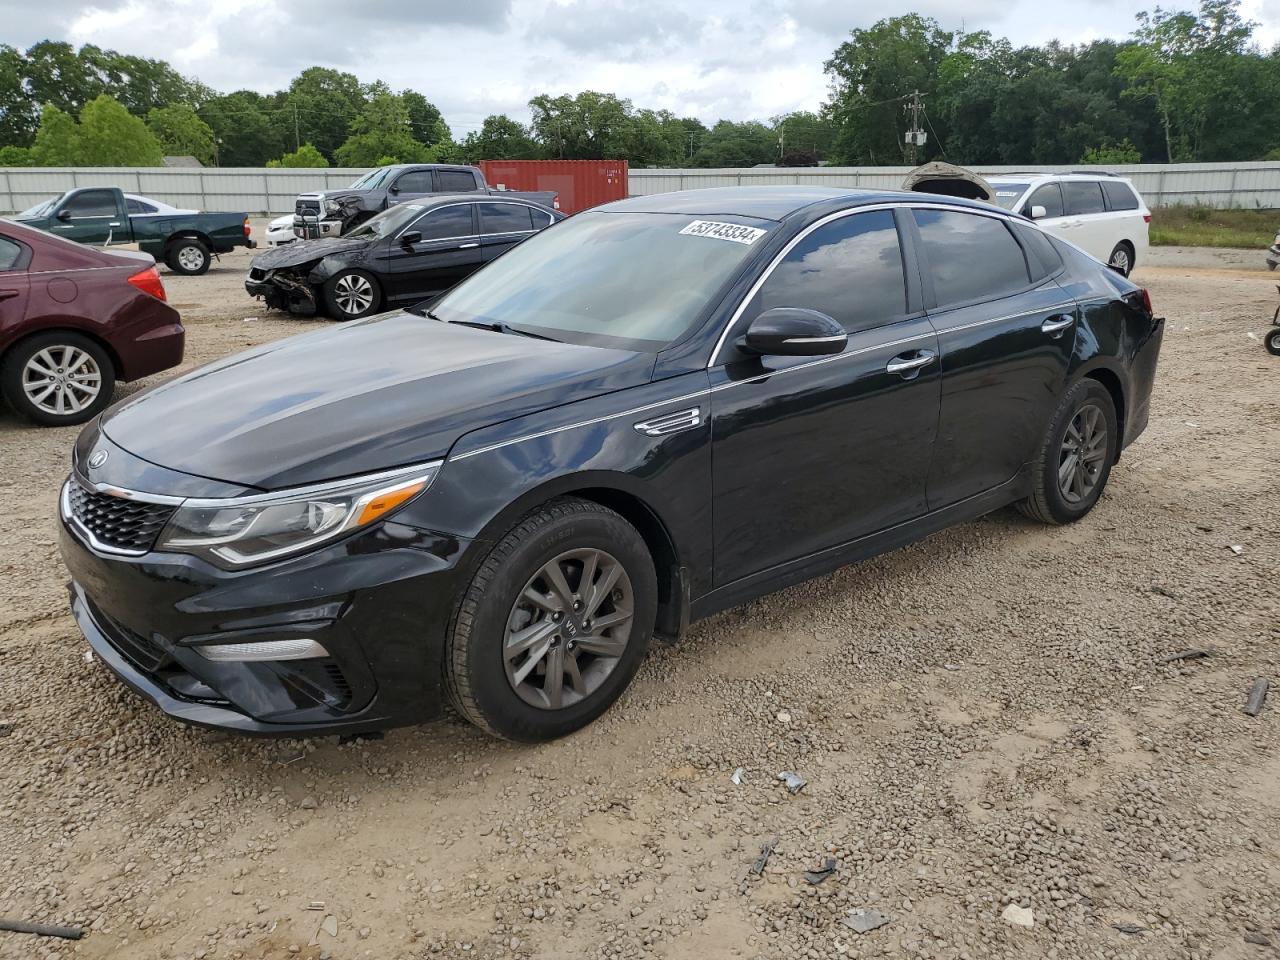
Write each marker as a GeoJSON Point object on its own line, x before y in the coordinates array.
{"type": "Point", "coordinates": [983, 719]}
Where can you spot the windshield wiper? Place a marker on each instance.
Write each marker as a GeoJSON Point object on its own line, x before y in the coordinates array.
{"type": "Point", "coordinates": [497, 326]}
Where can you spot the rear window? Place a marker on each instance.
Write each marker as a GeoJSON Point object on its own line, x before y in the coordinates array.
{"type": "Point", "coordinates": [504, 218]}
{"type": "Point", "coordinates": [1119, 195]}
{"type": "Point", "coordinates": [971, 257]}
{"type": "Point", "coordinates": [9, 254]}
{"type": "Point", "coordinates": [1042, 256]}
{"type": "Point", "coordinates": [455, 181]}
{"type": "Point", "coordinates": [1083, 197]}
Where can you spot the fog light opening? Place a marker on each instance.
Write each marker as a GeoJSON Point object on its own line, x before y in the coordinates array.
{"type": "Point", "coordinates": [300, 649]}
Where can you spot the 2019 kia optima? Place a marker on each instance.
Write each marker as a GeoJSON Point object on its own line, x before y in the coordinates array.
{"type": "Point", "coordinates": [642, 415]}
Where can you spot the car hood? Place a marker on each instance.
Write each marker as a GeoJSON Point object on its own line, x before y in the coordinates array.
{"type": "Point", "coordinates": [306, 251]}
{"type": "Point", "coordinates": [375, 394]}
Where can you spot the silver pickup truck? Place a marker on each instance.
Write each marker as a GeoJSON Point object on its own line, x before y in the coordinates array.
{"type": "Point", "coordinates": [332, 213]}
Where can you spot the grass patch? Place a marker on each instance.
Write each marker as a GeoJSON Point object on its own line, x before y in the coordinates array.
{"type": "Point", "coordinates": [1207, 227]}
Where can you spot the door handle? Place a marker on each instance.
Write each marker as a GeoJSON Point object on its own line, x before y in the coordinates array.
{"type": "Point", "coordinates": [114, 223]}
{"type": "Point", "coordinates": [8, 294]}
{"type": "Point", "coordinates": [1056, 324]}
{"type": "Point", "coordinates": [467, 246]}
{"type": "Point", "coordinates": [906, 366]}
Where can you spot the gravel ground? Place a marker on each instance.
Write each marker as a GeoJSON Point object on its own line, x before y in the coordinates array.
{"type": "Point", "coordinates": [983, 719]}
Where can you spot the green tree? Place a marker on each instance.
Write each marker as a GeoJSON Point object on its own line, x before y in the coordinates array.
{"type": "Point", "coordinates": [1112, 153]}
{"type": "Point", "coordinates": [248, 128]}
{"type": "Point", "coordinates": [305, 156]}
{"type": "Point", "coordinates": [19, 113]}
{"type": "Point", "coordinates": [181, 133]}
{"type": "Point", "coordinates": [11, 156]}
{"type": "Point", "coordinates": [110, 136]}
{"type": "Point", "coordinates": [325, 103]}
{"type": "Point", "coordinates": [730, 144]}
{"type": "Point", "coordinates": [807, 134]}
{"type": "Point", "coordinates": [499, 138]}
{"type": "Point", "coordinates": [57, 140]}
{"type": "Point", "coordinates": [579, 127]}
{"type": "Point", "coordinates": [425, 120]}
{"type": "Point", "coordinates": [380, 134]}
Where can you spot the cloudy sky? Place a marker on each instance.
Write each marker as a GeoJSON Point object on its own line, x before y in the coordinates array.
{"type": "Point", "coordinates": [736, 59]}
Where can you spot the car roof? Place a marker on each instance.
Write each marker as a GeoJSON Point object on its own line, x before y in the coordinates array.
{"type": "Point", "coordinates": [439, 199]}
{"type": "Point", "coordinates": [772, 202]}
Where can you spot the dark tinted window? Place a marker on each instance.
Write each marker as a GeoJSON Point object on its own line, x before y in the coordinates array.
{"type": "Point", "coordinates": [415, 181]}
{"type": "Point", "coordinates": [137, 206]}
{"type": "Point", "coordinates": [455, 181]}
{"type": "Point", "coordinates": [9, 254]}
{"type": "Point", "coordinates": [540, 218]}
{"type": "Point", "coordinates": [454, 221]}
{"type": "Point", "coordinates": [1040, 251]}
{"type": "Point", "coordinates": [1049, 196]}
{"type": "Point", "coordinates": [504, 218]}
{"type": "Point", "coordinates": [1119, 196]}
{"type": "Point", "coordinates": [92, 203]}
{"type": "Point", "coordinates": [1083, 197]}
{"type": "Point", "coordinates": [970, 257]}
{"type": "Point", "coordinates": [850, 269]}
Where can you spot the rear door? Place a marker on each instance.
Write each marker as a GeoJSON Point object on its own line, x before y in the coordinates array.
{"type": "Point", "coordinates": [503, 224]}
{"type": "Point", "coordinates": [1129, 217]}
{"type": "Point", "coordinates": [456, 181]}
{"type": "Point", "coordinates": [14, 259]}
{"type": "Point", "coordinates": [1006, 332]}
{"type": "Point", "coordinates": [91, 216]}
{"type": "Point", "coordinates": [447, 251]}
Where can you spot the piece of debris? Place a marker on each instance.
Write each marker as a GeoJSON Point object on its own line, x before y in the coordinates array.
{"type": "Point", "coordinates": [1251, 335]}
{"type": "Point", "coordinates": [1258, 939]}
{"type": "Point", "coordinates": [951, 666]}
{"type": "Point", "coordinates": [1236, 549]}
{"type": "Point", "coordinates": [1132, 929]}
{"type": "Point", "coordinates": [827, 869]}
{"type": "Point", "coordinates": [315, 905]}
{"type": "Point", "coordinates": [1194, 653]}
{"type": "Point", "coordinates": [1191, 423]}
{"type": "Point", "coordinates": [345, 738]}
{"type": "Point", "coordinates": [738, 774]}
{"type": "Point", "coordinates": [1018, 916]}
{"type": "Point", "coordinates": [6, 729]}
{"type": "Point", "coordinates": [766, 851]}
{"type": "Point", "coordinates": [308, 803]}
{"type": "Point", "coordinates": [1257, 695]}
{"type": "Point", "coordinates": [864, 921]}
{"type": "Point", "coordinates": [795, 783]}
{"type": "Point", "coordinates": [250, 319]}
{"type": "Point", "coordinates": [88, 656]}
{"type": "Point", "coordinates": [784, 717]}
{"type": "Point", "coordinates": [41, 930]}
{"type": "Point", "coordinates": [1164, 591]}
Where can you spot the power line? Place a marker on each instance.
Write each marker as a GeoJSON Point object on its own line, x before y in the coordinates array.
{"type": "Point", "coordinates": [941, 147]}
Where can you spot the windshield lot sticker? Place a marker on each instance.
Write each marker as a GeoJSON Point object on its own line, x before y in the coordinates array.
{"type": "Point", "coordinates": [723, 231]}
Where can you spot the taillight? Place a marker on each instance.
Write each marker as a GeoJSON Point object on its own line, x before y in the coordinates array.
{"type": "Point", "coordinates": [1146, 300]}
{"type": "Point", "coordinates": [247, 229]}
{"type": "Point", "coordinates": [1146, 218]}
{"type": "Point", "coordinates": [148, 281]}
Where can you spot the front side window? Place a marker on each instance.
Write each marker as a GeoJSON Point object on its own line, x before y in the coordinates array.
{"type": "Point", "coordinates": [415, 181]}
{"type": "Point", "coordinates": [970, 257]}
{"type": "Point", "coordinates": [1119, 195]}
{"type": "Point", "coordinates": [1083, 197]}
{"type": "Point", "coordinates": [504, 218]}
{"type": "Point", "coordinates": [9, 253]}
{"type": "Point", "coordinates": [1049, 196]}
{"type": "Point", "coordinates": [387, 223]}
{"type": "Point", "coordinates": [849, 269]}
{"type": "Point", "coordinates": [455, 181]}
{"type": "Point", "coordinates": [92, 203]}
{"type": "Point", "coordinates": [445, 223]}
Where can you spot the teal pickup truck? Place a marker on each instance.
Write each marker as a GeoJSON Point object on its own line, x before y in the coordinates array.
{"type": "Point", "coordinates": [185, 240]}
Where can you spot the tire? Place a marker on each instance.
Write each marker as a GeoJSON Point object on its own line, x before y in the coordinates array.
{"type": "Point", "coordinates": [1272, 340]}
{"type": "Point", "coordinates": [80, 379]}
{"type": "Point", "coordinates": [1053, 500]}
{"type": "Point", "coordinates": [352, 294]}
{"type": "Point", "coordinates": [486, 686]}
{"type": "Point", "coordinates": [1122, 258]}
{"type": "Point", "coordinates": [190, 257]}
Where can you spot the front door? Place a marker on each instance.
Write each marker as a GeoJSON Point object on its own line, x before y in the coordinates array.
{"type": "Point", "coordinates": [447, 250]}
{"type": "Point", "coordinates": [812, 452]}
{"type": "Point", "coordinates": [412, 185]}
{"type": "Point", "coordinates": [90, 216]}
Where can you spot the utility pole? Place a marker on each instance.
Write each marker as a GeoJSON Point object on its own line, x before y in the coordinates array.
{"type": "Point", "coordinates": [915, 137]}
{"type": "Point", "coordinates": [297, 140]}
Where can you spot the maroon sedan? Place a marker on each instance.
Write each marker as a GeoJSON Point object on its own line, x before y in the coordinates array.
{"type": "Point", "coordinates": [74, 320]}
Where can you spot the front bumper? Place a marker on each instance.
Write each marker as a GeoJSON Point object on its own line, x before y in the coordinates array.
{"type": "Point", "coordinates": [379, 603]}
{"type": "Point", "coordinates": [313, 228]}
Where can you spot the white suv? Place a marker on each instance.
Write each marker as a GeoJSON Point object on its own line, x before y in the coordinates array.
{"type": "Point", "coordinates": [1100, 213]}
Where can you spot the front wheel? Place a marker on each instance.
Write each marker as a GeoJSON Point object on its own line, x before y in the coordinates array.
{"type": "Point", "coordinates": [1273, 343]}
{"type": "Point", "coordinates": [554, 624]}
{"type": "Point", "coordinates": [189, 256]}
{"type": "Point", "coordinates": [1074, 461]}
{"type": "Point", "coordinates": [352, 294]}
{"type": "Point", "coordinates": [57, 379]}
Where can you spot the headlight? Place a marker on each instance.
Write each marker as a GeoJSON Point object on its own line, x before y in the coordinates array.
{"type": "Point", "coordinates": [332, 206]}
{"type": "Point", "coordinates": [247, 530]}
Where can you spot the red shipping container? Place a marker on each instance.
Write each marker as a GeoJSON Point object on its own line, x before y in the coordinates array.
{"type": "Point", "coordinates": [579, 183]}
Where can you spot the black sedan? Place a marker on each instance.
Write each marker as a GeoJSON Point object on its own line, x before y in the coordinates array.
{"type": "Point", "coordinates": [659, 409]}
{"type": "Point", "coordinates": [405, 255]}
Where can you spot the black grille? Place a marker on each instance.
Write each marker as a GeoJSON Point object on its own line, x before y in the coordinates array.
{"type": "Point", "coordinates": [118, 522]}
{"type": "Point", "coordinates": [339, 680]}
{"type": "Point", "coordinates": [143, 652]}
{"type": "Point", "coordinates": [307, 208]}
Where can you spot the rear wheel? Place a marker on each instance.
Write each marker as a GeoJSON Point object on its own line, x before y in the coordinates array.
{"type": "Point", "coordinates": [189, 256]}
{"type": "Point", "coordinates": [1074, 461]}
{"type": "Point", "coordinates": [352, 294]}
{"type": "Point", "coordinates": [1122, 257]}
{"type": "Point", "coordinates": [57, 379]}
{"type": "Point", "coordinates": [555, 623]}
{"type": "Point", "coordinates": [1273, 343]}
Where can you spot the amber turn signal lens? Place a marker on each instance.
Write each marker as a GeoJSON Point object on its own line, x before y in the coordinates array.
{"type": "Point", "coordinates": [383, 503]}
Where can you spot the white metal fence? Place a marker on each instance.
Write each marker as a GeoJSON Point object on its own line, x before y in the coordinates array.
{"type": "Point", "coordinates": [259, 190]}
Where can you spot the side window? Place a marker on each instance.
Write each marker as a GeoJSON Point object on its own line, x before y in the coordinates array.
{"type": "Point", "coordinates": [137, 206]}
{"type": "Point", "coordinates": [504, 218]}
{"type": "Point", "coordinates": [1049, 196]}
{"type": "Point", "coordinates": [1119, 195]}
{"type": "Point", "coordinates": [541, 218]}
{"type": "Point", "coordinates": [455, 181]}
{"type": "Point", "coordinates": [1043, 256]}
{"type": "Point", "coordinates": [415, 181]}
{"type": "Point", "coordinates": [970, 257]}
{"type": "Point", "coordinates": [1083, 197]}
{"type": "Point", "coordinates": [446, 222]}
{"type": "Point", "coordinates": [92, 203]}
{"type": "Point", "coordinates": [10, 254]}
{"type": "Point", "coordinates": [850, 269]}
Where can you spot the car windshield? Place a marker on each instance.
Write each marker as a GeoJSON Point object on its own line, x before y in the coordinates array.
{"type": "Point", "coordinates": [41, 208]}
{"type": "Point", "coordinates": [388, 223]}
{"type": "Point", "coordinates": [1008, 191]}
{"type": "Point", "coordinates": [634, 280]}
{"type": "Point", "coordinates": [372, 178]}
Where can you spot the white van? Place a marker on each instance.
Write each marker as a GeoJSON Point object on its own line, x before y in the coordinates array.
{"type": "Point", "coordinates": [1099, 212]}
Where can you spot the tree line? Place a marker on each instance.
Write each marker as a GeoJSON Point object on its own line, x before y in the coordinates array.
{"type": "Point", "coordinates": [1184, 86]}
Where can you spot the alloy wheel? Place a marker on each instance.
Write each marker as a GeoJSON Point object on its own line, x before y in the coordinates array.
{"type": "Point", "coordinates": [1082, 454]}
{"type": "Point", "coordinates": [1120, 260]}
{"type": "Point", "coordinates": [191, 258]}
{"type": "Point", "coordinates": [568, 628]}
{"type": "Point", "coordinates": [61, 380]}
{"type": "Point", "coordinates": [354, 294]}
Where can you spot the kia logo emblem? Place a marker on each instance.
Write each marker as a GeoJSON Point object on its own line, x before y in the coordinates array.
{"type": "Point", "coordinates": [98, 459]}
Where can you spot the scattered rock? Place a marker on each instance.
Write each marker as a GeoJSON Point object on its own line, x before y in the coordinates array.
{"type": "Point", "coordinates": [1018, 916]}
{"type": "Point", "coordinates": [862, 920]}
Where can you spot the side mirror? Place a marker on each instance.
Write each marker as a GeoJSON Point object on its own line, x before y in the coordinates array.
{"type": "Point", "coordinates": [410, 238]}
{"type": "Point", "coordinates": [1038, 212]}
{"type": "Point", "coordinates": [794, 332]}
{"type": "Point", "coordinates": [393, 189]}
{"type": "Point", "coordinates": [64, 214]}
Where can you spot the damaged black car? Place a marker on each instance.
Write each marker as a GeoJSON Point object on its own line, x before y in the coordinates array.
{"type": "Point", "coordinates": [410, 253]}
